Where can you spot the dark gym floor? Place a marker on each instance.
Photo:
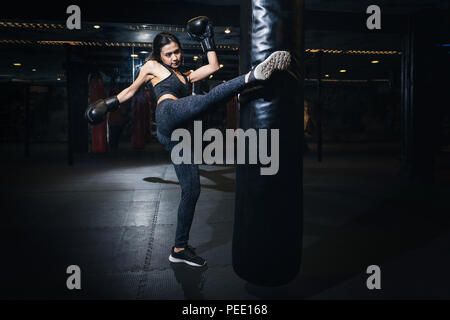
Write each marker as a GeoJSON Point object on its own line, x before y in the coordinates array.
{"type": "Point", "coordinates": [115, 216]}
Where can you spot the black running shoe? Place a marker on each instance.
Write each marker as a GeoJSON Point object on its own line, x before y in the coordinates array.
{"type": "Point", "coordinates": [187, 256]}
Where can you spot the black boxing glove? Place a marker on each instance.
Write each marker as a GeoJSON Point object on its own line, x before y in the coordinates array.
{"type": "Point", "coordinates": [96, 112]}
{"type": "Point", "coordinates": [201, 29]}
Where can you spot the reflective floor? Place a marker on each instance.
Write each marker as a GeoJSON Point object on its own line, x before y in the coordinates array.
{"type": "Point", "coordinates": [114, 216]}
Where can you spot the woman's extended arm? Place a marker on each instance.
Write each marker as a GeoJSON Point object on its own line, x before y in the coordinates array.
{"type": "Point", "coordinates": [142, 78]}
{"type": "Point", "coordinates": [206, 70]}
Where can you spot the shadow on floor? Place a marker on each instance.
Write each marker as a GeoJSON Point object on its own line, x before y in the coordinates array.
{"type": "Point", "coordinates": [191, 280]}
{"type": "Point", "coordinates": [221, 182]}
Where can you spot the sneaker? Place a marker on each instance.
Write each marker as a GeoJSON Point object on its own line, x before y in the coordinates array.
{"type": "Point", "coordinates": [187, 256]}
{"type": "Point", "coordinates": [279, 60]}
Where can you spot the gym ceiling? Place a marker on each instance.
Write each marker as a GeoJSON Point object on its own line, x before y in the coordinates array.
{"type": "Point", "coordinates": [115, 36]}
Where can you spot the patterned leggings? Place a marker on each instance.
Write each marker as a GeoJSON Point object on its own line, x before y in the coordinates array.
{"type": "Point", "coordinates": [170, 115]}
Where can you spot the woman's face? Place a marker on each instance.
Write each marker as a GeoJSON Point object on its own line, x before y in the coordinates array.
{"type": "Point", "coordinates": [171, 54]}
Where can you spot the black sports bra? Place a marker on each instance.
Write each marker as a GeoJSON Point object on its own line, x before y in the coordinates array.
{"type": "Point", "coordinates": [171, 85]}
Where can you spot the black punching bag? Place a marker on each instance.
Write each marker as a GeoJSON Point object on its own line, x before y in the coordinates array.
{"type": "Point", "coordinates": [267, 237]}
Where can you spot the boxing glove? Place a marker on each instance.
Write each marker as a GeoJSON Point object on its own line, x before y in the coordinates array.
{"type": "Point", "coordinates": [201, 29]}
{"type": "Point", "coordinates": [97, 111]}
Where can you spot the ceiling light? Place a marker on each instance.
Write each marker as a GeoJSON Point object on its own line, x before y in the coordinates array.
{"type": "Point", "coordinates": [17, 64]}
{"type": "Point", "coordinates": [220, 65]}
{"type": "Point", "coordinates": [34, 70]}
{"type": "Point", "coordinates": [327, 76]}
{"type": "Point", "coordinates": [96, 26]}
{"type": "Point", "coordinates": [227, 30]}
{"type": "Point", "coordinates": [134, 55]}
{"type": "Point", "coordinates": [144, 52]}
{"type": "Point", "coordinates": [58, 79]}
{"type": "Point", "coordinates": [211, 76]}
{"type": "Point", "coordinates": [375, 61]}
{"type": "Point", "coordinates": [195, 58]}
{"type": "Point", "coordinates": [342, 70]}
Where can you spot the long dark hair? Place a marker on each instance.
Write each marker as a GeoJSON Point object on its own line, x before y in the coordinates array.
{"type": "Point", "coordinates": [160, 40]}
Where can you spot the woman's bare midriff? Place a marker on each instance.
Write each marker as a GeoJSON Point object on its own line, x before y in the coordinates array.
{"type": "Point", "coordinates": [166, 96]}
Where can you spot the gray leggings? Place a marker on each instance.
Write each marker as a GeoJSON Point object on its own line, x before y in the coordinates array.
{"type": "Point", "coordinates": [172, 114]}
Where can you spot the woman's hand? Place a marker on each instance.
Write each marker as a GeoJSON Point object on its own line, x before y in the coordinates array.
{"type": "Point", "coordinates": [201, 29]}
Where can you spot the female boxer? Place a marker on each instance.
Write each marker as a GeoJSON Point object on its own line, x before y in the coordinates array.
{"type": "Point", "coordinates": [175, 107]}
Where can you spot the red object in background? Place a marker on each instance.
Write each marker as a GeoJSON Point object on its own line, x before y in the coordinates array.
{"type": "Point", "coordinates": [141, 126]}
{"type": "Point", "coordinates": [116, 117]}
{"type": "Point", "coordinates": [96, 92]}
{"type": "Point", "coordinates": [232, 113]}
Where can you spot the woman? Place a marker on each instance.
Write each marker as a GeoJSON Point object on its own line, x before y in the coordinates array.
{"type": "Point", "coordinates": [175, 107]}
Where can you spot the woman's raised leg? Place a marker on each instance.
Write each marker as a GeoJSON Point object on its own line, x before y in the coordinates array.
{"type": "Point", "coordinates": [178, 111]}
{"type": "Point", "coordinates": [171, 114]}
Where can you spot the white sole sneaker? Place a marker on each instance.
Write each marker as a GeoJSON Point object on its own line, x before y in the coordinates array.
{"type": "Point", "coordinates": [176, 260]}
{"type": "Point", "coordinates": [278, 60]}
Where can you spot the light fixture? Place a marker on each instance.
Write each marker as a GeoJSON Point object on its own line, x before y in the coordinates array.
{"type": "Point", "coordinates": [374, 61]}
{"type": "Point", "coordinates": [227, 30]}
{"type": "Point", "coordinates": [34, 70]}
{"type": "Point", "coordinates": [327, 76]}
{"type": "Point", "coordinates": [195, 58]}
{"type": "Point", "coordinates": [96, 26]}
{"type": "Point", "coordinates": [211, 76]}
{"type": "Point", "coordinates": [134, 55]}
{"type": "Point", "coordinates": [17, 64]}
{"type": "Point", "coordinates": [58, 79]}
{"type": "Point", "coordinates": [144, 52]}
{"type": "Point", "coordinates": [220, 65]}
{"type": "Point", "coordinates": [342, 70]}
